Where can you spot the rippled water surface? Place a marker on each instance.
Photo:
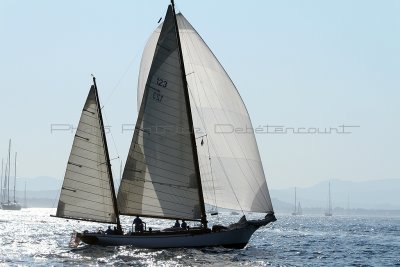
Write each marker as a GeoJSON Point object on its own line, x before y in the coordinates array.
{"type": "Point", "coordinates": [31, 237]}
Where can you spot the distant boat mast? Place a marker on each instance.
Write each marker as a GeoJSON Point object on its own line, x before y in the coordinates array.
{"type": "Point", "coordinates": [1, 181]}
{"type": "Point", "coordinates": [9, 171]}
{"type": "Point", "coordinates": [329, 211]}
{"type": "Point", "coordinates": [295, 200]}
{"type": "Point", "coordinates": [15, 174]}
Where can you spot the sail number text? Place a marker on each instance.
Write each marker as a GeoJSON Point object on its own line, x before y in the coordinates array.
{"type": "Point", "coordinates": [157, 96]}
{"type": "Point", "coordinates": [161, 82]}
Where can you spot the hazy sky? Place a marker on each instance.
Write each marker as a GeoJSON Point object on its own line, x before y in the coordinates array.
{"type": "Point", "coordinates": [305, 65]}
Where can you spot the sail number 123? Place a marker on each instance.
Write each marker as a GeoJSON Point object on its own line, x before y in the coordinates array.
{"type": "Point", "coordinates": [156, 95]}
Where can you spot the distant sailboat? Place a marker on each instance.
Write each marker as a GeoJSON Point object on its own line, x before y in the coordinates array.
{"type": "Point", "coordinates": [162, 177]}
{"type": "Point", "coordinates": [9, 205]}
{"type": "Point", "coordinates": [297, 207]}
{"type": "Point", "coordinates": [329, 210]}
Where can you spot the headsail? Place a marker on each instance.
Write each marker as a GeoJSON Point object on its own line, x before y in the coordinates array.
{"type": "Point", "coordinates": [86, 193]}
{"type": "Point", "coordinates": [160, 178]}
{"type": "Point", "coordinates": [231, 168]}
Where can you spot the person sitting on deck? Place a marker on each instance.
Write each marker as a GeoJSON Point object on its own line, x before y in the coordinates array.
{"type": "Point", "coordinates": [177, 224]}
{"type": "Point", "coordinates": [138, 224]}
{"type": "Point", "coordinates": [118, 231]}
{"type": "Point", "coordinates": [109, 231]}
{"type": "Point", "coordinates": [184, 224]}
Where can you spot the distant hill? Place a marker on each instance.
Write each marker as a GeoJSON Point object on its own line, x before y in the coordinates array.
{"type": "Point", "coordinates": [375, 194]}
{"type": "Point", "coordinates": [41, 183]}
{"type": "Point", "coordinates": [41, 191]}
{"type": "Point", "coordinates": [369, 195]}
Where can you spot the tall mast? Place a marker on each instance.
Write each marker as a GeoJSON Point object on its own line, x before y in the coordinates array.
{"type": "Point", "coordinates": [1, 182]}
{"type": "Point", "coordinates": [330, 204]}
{"type": "Point", "coordinates": [9, 168]}
{"type": "Point", "coordinates": [5, 181]}
{"type": "Point", "coordinates": [295, 201]}
{"type": "Point", "coordinates": [189, 111]}
{"type": "Point", "coordinates": [15, 174]}
{"type": "Point", "coordinates": [114, 198]}
{"type": "Point", "coordinates": [25, 203]}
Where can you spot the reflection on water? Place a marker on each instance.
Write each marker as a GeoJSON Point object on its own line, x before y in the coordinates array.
{"type": "Point", "coordinates": [32, 237]}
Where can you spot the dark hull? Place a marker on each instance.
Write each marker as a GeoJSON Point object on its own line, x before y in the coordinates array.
{"type": "Point", "coordinates": [234, 236]}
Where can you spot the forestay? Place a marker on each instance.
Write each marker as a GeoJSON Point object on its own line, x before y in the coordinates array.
{"type": "Point", "coordinates": [86, 193]}
{"type": "Point", "coordinates": [231, 169]}
{"type": "Point", "coordinates": [159, 179]}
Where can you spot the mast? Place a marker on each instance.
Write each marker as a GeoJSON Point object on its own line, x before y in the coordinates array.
{"type": "Point", "coordinates": [25, 203]}
{"type": "Point", "coordinates": [114, 198]}
{"type": "Point", "coordinates": [1, 182]}
{"type": "Point", "coordinates": [120, 171]}
{"type": "Point", "coordinates": [15, 174]}
{"type": "Point", "coordinates": [5, 182]}
{"type": "Point", "coordinates": [9, 168]}
{"type": "Point", "coordinates": [330, 204]}
{"type": "Point", "coordinates": [295, 201]}
{"type": "Point", "coordinates": [191, 130]}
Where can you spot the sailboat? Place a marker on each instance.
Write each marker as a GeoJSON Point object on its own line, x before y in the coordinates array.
{"type": "Point", "coordinates": [172, 170]}
{"type": "Point", "coordinates": [329, 210]}
{"type": "Point", "coordinates": [7, 204]}
{"type": "Point", "coordinates": [297, 207]}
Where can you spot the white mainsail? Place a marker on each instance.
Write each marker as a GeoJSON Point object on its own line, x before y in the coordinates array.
{"type": "Point", "coordinates": [231, 169]}
{"type": "Point", "coordinates": [86, 193]}
{"type": "Point", "coordinates": [160, 178]}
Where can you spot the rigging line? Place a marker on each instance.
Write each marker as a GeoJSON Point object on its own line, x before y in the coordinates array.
{"type": "Point", "coordinates": [212, 175]}
{"type": "Point", "coordinates": [201, 116]}
{"type": "Point", "coordinates": [202, 122]}
{"type": "Point", "coordinates": [112, 136]}
{"type": "Point", "coordinates": [119, 180]}
{"type": "Point", "coordinates": [58, 192]}
{"type": "Point", "coordinates": [122, 77]}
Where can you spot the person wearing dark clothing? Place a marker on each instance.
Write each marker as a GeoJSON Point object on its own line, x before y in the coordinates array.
{"type": "Point", "coordinates": [118, 231]}
{"type": "Point", "coordinates": [177, 224]}
{"type": "Point", "coordinates": [183, 224]}
{"type": "Point", "coordinates": [109, 231]}
{"type": "Point", "coordinates": [138, 224]}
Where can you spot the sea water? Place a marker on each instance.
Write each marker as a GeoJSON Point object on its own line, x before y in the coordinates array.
{"type": "Point", "coordinates": [31, 237]}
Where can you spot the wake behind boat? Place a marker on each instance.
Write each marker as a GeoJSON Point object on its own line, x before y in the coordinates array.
{"type": "Point", "coordinates": [171, 170]}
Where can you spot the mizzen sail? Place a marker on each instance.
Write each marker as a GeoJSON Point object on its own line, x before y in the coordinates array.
{"type": "Point", "coordinates": [230, 164]}
{"type": "Point", "coordinates": [86, 193]}
{"type": "Point", "coordinates": [160, 178]}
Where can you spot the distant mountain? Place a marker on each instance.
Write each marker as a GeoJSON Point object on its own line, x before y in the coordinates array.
{"type": "Point", "coordinates": [371, 195]}
{"type": "Point", "coordinates": [375, 194]}
{"type": "Point", "coordinates": [41, 183]}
